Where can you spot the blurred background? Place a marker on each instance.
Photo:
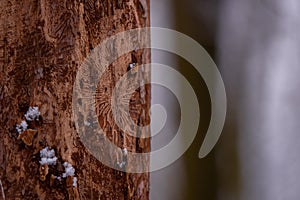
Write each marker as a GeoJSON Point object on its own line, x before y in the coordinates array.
{"type": "Point", "coordinates": [255, 44]}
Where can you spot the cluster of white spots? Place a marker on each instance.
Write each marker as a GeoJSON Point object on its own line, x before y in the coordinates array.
{"type": "Point", "coordinates": [39, 73]}
{"type": "Point", "coordinates": [125, 151]}
{"type": "Point", "coordinates": [74, 182]}
{"type": "Point", "coordinates": [123, 163]}
{"type": "Point", "coordinates": [48, 156]}
{"type": "Point", "coordinates": [70, 171]}
{"type": "Point", "coordinates": [32, 114]}
{"type": "Point", "coordinates": [58, 178]}
{"type": "Point", "coordinates": [132, 65]}
{"type": "Point", "coordinates": [22, 126]}
{"type": "Point", "coordinates": [87, 123]}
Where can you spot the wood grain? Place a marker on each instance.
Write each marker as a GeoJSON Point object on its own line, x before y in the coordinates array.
{"type": "Point", "coordinates": [42, 45]}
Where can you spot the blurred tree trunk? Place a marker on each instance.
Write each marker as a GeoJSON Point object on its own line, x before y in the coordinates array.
{"type": "Point", "coordinates": [200, 173]}
{"type": "Point", "coordinates": [42, 44]}
{"type": "Point", "coordinates": [259, 54]}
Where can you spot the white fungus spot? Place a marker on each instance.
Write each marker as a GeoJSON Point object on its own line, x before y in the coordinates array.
{"type": "Point", "coordinates": [74, 182]}
{"type": "Point", "coordinates": [48, 156]}
{"type": "Point", "coordinates": [87, 123]}
{"type": "Point", "coordinates": [121, 164]}
{"type": "Point", "coordinates": [69, 170]}
{"type": "Point", "coordinates": [32, 114]}
{"type": "Point", "coordinates": [125, 151]}
{"type": "Point", "coordinates": [132, 65]}
{"type": "Point", "coordinates": [22, 126]}
{"type": "Point", "coordinates": [39, 73]}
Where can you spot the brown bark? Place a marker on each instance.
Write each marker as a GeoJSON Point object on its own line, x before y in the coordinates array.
{"type": "Point", "coordinates": [42, 45]}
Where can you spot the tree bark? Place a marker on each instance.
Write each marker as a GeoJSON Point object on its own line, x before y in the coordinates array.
{"type": "Point", "coordinates": [42, 45]}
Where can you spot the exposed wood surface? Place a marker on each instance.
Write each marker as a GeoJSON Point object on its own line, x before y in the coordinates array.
{"type": "Point", "coordinates": [42, 45]}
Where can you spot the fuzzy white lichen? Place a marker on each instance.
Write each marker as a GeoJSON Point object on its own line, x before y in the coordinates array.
{"type": "Point", "coordinates": [22, 126]}
{"type": "Point", "coordinates": [48, 156]}
{"type": "Point", "coordinates": [125, 151]}
{"type": "Point", "coordinates": [121, 164]}
{"type": "Point", "coordinates": [69, 170]}
{"type": "Point", "coordinates": [32, 114]}
{"type": "Point", "coordinates": [74, 182]}
{"type": "Point", "coordinates": [87, 123]}
{"type": "Point", "coordinates": [132, 65]}
{"type": "Point", "coordinates": [39, 73]}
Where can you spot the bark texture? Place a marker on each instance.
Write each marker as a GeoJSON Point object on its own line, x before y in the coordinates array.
{"type": "Point", "coordinates": [42, 44]}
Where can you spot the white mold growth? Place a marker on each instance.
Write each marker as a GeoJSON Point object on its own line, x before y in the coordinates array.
{"type": "Point", "coordinates": [39, 73]}
{"type": "Point", "coordinates": [48, 156]}
{"type": "Point", "coordinates": [132, 65]}
{"type": "Point", "coordinates": [69, 170]}
{"type": "Point", "coordinates": [22, 126]}
{"type": "Point", "coordinates": [125, 151]}
{"type": "Point", "coordinates": [32, 114]}
{"type": "Point", "coordinates": [74, 182]}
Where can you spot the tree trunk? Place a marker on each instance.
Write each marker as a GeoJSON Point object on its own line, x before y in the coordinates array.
{"type": "Point", "coordinates": [42, 45]}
